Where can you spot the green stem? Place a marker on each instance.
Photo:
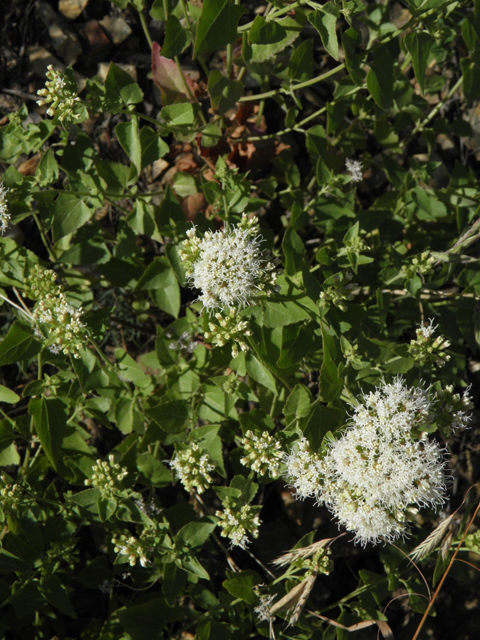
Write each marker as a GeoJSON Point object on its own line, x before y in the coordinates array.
{"type": "Point", "coordinates": [145, 28]}
{"type": "Point", "coordinates": [294, 87]}
{"type": "Point", "coordinates": [421, 126]}
{"type": "Point", "coordinates": [45, 241]}
{"type": "Point", "coordinates": [275, 14]}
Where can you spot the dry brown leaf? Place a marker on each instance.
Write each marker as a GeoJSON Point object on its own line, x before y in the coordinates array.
{"type": "Point", "coordinates": [71, 9]}
{"type": "Point", "coordinates": [28, 167]}
{"type": "Point", "coordinates": [381, 624]}
{"type": "Point", "coordinates": [193, 204]}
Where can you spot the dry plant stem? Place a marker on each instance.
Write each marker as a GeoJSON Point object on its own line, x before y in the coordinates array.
{"type": "Point", "coordinates": [440, 585]}
{"type": "Point", "coordinates": [29, 315]}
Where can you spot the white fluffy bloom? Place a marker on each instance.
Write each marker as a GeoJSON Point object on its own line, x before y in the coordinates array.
{"type": "Point", "coordinates": [4, 215]}
{"type": "Point", "coordinates": [354, 168]}
{"type": "Point", "coordinates": [383, 467]}
{"type": "Point", "coordinates": [372, 481]}
{"type": "Point", "coordinates": [228, 266]}
{"type": "Point", "coordinates": [304, 470]}
{"type": "Point", "coordinates": [394, 409]}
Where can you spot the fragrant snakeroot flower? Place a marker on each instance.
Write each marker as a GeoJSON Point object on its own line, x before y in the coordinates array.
{"type": "Point", "coordinates": [237, 522]}
{"type": "Point", "coordinates": [192, 468]}
{"type": "Point", "coordinates": [382, 468]}
{"type": "Point", "coordinates": [4, 215]}
{"type": "Point", "coordinates": [264, 453]}
{"type": "Point", "coordinates": [61, 91]}
{"type": "Point", "coordinates": [228, 266]}
{"type": "Point", "coordinates": [354, 168]}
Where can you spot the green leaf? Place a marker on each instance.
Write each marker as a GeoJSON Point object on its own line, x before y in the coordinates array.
{"type": "Point", "coordinates": [106, 508]}
{"type": "Point", "coordinates": [224, 93]}
{"type": "Point", "coordinates": [129, 137]}
{"type": "Point", "coordinates": [194, 534]}
{"type": "Point", "coordinates": [47, 170]}
{"type": "Point", "coordinates": [300, 67]}
{"type": "Point", "coordinates": [153, 147]}
{"type": "Point", "coordinates": [154, 471]}
{"type": "Point", "coordinates": [299, 402]}
{"type": "Point", "coordinates": [242, 584]}
{"type": "Point", "coordinates": [260, 373]}
{"type": "Point", "coordinates": [331, 384]}
{"type": "Point", "coordinates": [170, 416]}
{"type": "Point", "coordinates": [49, 415]}
{"type": "Point", "coordinates": [145, 621]}
{"type": "Point", "coordinates": [10, 563]}
{"type": "Point", "coordinates": [296, 344]}
{"type": "Point", "coordinates": [325, 21]}
{"type": "Point", "coordinates": [294, 251]}
{"type": "Point", "coordinates": [217, 26]}
{"type": "Point", "coordinates": [176, 37]}
{"type": "Point", "coordinates": [180, 115]}
{"type": "Point", "coordinates": [114, 174]}
{"type": "Point", "coordinates": [19, 344]}
{"type": "Point", "coordinates": [120, 87]}
{"type": "Point", "coordinates": [267, 38]}
{"type": "Point", "coordinates": [418, 45]}
{"type": "Point", "coordinates": [57, 595]}
{"type": "Point", "coordinates": [380, 78]}
{"type": "Point", "coordinates": [70, 213]}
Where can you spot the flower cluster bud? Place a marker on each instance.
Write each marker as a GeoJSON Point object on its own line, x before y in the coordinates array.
{"type": "Point", "coordinates": [11, 496]}
{"type": "Point", "coordinates": [229, 328]}
{"type": "Point", "coordinates": [192, 468]}
{"type": "Point", "coordinates": [136, 549]}
{"type": "Point", "coordinates": [419, 265]}
{"type": "Point", "coordinates": [451, 412]}
{"type": "Point", "coordinates": [427, 350]}
{"type": "Point", "coordinates": [356, 245]}
{"type": "Point", "coordinates": [61, 93]}
{"type": "Point", "coordinates": [107, 476]}
{"type": "Point", "coordinates": [237, 522]}
{"type": "Point", "coordinates": [4, 214]}
{"type": "Point", "coordinates": [66, 332]}
{"type": "Point", "coordinates": [264, 453]}
{"type": "Point", "coordinates": [228, 266]}
{"type": "Point", "coordinates": [337, 290]}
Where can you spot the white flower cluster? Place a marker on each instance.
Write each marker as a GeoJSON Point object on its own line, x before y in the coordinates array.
{"type": "Point", "coordinates": [264, 453]}
{"type": "Point", "coordinates": [427, 350]}
{"type": "Point", "coordinates": [133, 548]}
{"type": "Point", "coordinates": [354, 168]}
{"type": "Point", "coordinates": [192, 468]}
{"type": "Point", "coordinates": [229, 328]}
{"type": "Point", "coordinates": [4, 215]}
{"type": "Point", "coordinates": [228, 266]}
{"type": "Point", "coordinates": [186, 342]}
{"type": "Point", "coordinates": [107, 476]}
{"type": "Point", "coordinates": [61, 92]}
{"type": "Point", "coordinates": [236, 523]}
{"type": "Point", "coordinates": [382, 469]}
{"type": "Point", "coordinates": [66, 333]}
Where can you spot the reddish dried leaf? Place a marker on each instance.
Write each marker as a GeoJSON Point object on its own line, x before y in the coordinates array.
{"type": "Point", "coordinates": [193, 204]}
{"type": "Point", "coordinates": [169, 80]}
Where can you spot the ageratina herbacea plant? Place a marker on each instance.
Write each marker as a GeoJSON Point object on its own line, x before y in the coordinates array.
{"type": "Point", "coordinates": [240, 321]}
